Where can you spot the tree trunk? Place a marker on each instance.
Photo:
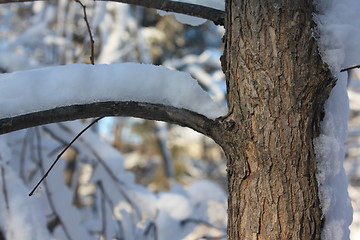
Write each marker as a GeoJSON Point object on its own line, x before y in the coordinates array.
{"type": "Point", "coordinates": [277, 85]}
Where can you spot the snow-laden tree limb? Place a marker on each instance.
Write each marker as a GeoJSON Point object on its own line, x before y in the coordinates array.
{"type": "Point", "coordinates": [62, 93]}
{"type": "Point", "coordinates": [149, 111]}
{"type": "Point", "coordinates": [215, 15]}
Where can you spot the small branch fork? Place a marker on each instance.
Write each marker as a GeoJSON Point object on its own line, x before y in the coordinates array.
{"type": "Point", "coordinates": [92, 56]}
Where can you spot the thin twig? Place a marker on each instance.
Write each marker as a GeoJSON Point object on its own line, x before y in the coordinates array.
{"type": "Point", "coordinates": [58, 157]}
{"type": "Point", "coordinates": [349, 68]}
{"type": "Point", "coordinates": [152, 225]}
{"type": "Point", "coordinates": [106, 198]}
{"type": "Point", "coordinates": [92, 58]}
{"type": "Point", "coordinates": [103, 210]}
{"type": "Point", "coordinates": [102, 163]}
{"type": "Point", "coordinates": [120, 183]}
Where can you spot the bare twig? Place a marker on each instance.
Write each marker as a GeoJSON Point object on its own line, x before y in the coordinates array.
{"type": "Point", "coordinates": [103, 210]}
{"type": "Point", "coordinates": [92, 58]}
{"type": "Point", "coordinates": [102, 163]}
{"type": "Point", "coordinates": [152, 225]}
{"type": "Point", "coordinates": [161, 139]}
{"type": "Point", "coordinates": [349, 68]}
{"type": "Point", "coordinates": [97, 156]}
{"type": "Point", "coordinates": [58, 157]}
{"type": "Point", "coordinates": [110, 172]}
{"type": "Point", "coordinates": [108, 200]}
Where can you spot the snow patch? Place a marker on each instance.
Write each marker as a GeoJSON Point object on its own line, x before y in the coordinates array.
{"type": "Point", "coordinates": [330, 153]}
{"type": "Point", "coordinates": [42, 89]}
{"type": "Point", "coordinates": [338, 30]}
{"type": "Point", "coordinates": [338, 26]}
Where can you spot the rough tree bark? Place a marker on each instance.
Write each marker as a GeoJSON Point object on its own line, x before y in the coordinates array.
{"type": "Point", "coordinates": [277, 85]}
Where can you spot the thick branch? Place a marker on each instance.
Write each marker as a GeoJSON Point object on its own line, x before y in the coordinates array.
{"type": "Point", "coordinates": [149, 111]}
{"type": "Point", "coordinates": [215, 15]}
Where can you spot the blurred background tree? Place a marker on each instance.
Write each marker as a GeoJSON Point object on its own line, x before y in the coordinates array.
{"type": "Point", "coordinates": [168, 183]}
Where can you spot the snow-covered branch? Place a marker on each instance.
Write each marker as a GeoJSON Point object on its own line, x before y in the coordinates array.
{"type": "Point", "coordinates": [62, 93]}
{"type": "Point", "coordinates": [215, 15]}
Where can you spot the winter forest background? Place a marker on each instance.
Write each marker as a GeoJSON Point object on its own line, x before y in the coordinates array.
{"type": "Point", "coordinates": [125, 178]}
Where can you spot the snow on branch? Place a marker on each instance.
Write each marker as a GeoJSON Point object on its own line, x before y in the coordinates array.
{"type": "Point", "coordinates": [215, 15]}
{"type": "Point", "coordinates": [62, 93]}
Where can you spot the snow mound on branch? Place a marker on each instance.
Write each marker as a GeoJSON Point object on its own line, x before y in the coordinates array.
{"type": "Point", "coordinates": [42, 89]}
{"type": "Point", "coordinates": [338, 28]}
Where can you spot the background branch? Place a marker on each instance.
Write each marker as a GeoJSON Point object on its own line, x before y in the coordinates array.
{"type": "Point", "coordinates": [92, 56]}
{"type": "Point", "coordinates": [215, 15]}
{"type": "Point", "coordinates": [149, 111]}
{"type": "Point", "coordinates": [4, 189]}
